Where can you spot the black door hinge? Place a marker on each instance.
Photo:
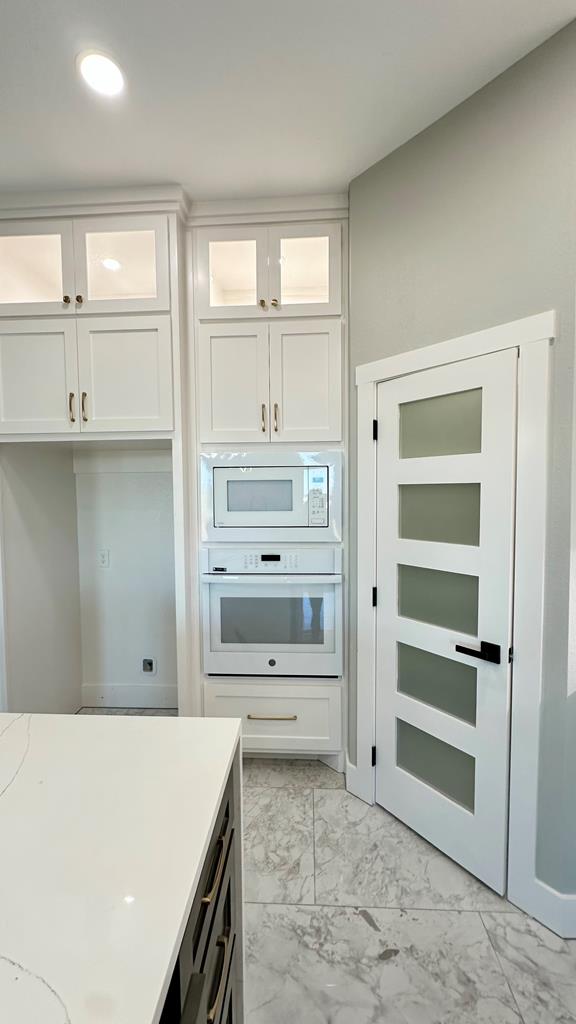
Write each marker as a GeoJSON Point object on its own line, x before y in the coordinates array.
{"type": "Point", "coordinates": [373, 757]}
{"type": "Point", "coordinates": [510, 655]}
{"type": "Point", "coordinates": [374, 596]}
{"type": "Point", "coordinates": [374, 430]}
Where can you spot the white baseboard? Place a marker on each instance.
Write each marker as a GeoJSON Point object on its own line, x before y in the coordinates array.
{"type": "Point", "coordinates": [132, 695]}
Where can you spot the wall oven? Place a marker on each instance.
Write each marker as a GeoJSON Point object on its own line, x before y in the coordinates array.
{"type": "Point", "coordinates": [272, 612]}
{"type": "Point", "coordinates": [272, 496]}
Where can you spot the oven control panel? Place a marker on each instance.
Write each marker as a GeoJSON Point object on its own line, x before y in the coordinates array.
{"type": "Point", "coordinates": [271, 561]}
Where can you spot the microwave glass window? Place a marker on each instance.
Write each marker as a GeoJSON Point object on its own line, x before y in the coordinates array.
{"type": "Point", "coordinates": [272, 620]}
{"type": "Point", "coordinates": [260, 496]}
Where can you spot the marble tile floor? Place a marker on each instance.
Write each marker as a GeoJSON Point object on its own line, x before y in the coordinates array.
{"type": "Point", "coordinates": [351, 918]}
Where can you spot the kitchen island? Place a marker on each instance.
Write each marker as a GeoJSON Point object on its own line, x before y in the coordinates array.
{"type": "Point", "coordinates": [120, 870]}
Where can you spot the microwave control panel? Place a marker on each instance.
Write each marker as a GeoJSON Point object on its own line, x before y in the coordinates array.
{"type": "Point", "coordinates": [318, 495]}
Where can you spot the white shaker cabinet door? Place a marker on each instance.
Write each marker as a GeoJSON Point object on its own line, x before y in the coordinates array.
{"type": "Point", "coordinates": [38, 377]}
{"type": "Point", "coordinates": [234, 382]}
{"type": "Point", "coordinates": [125, 373]}
{"type": "Point", "coordinates": [306, 381]}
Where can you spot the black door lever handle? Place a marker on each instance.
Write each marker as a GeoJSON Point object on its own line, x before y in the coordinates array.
{"type": "Point", "coordinates": [487, 652]}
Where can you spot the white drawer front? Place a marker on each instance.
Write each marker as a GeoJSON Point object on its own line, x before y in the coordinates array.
{"type": "Point", "coordinates": [280, 718]}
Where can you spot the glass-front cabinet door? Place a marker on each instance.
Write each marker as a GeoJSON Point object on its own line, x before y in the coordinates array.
{"type": "Point", "coordinates": [231, 272]}
{"type": "Point", "coordinates": [305, 269]}
{"type": "Point", "coordinates": [121, 264]}
{"type": "Point", "coordinates": [36, 268]}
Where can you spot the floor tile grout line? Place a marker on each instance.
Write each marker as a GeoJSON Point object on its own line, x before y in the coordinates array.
{"type": "Point", "coordinates": [314, 839]}
{"type": "Point", "coordinates": [499, 962]}
{"type": "Point", "coordinates": [370, 906]}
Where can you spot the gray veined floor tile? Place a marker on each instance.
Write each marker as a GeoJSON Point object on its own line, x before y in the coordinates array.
{"type": "Point", "coordinates": [540, 967]}
{"type": "Point", "coordinates": [278, 846]}
{"type": "Point", "coordinates": [366, 857]}
{"type": "Point", "coordinates": [277, 771]}
{"type": "Point", "coordinates": [339, 965]}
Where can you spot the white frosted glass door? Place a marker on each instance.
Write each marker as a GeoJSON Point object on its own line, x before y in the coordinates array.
{"type": "Point", "coordinates": [233, 391]}
{"type": "Point", "coordinates": [38, 377]}
{"type": "Point", "coordinates": [125, 373]}
{"type": "Point", "coordinates": [306, 381]}
{"type": "Point", "coordinates": [36, 268]}
{"type": "Point", "coordinates": [231, 273]}
{"type": "Point", "coordinates": [305, 269]}
{"type": "Point", "coordinates": [445, 513]}
{"type": "Point", "coordinates": [121, 264]}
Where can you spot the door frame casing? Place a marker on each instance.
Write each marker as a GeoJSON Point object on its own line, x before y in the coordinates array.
{"type": "Point", "coordinates": [533, 337]}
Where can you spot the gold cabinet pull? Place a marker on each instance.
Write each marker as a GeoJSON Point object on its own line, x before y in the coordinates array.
{"type": "Point", "coordinates": [272, 718]}
{"type": "Point", "coordinates": [262, 303]}
{"type": "Point", "coordinates": [263, 416]}
{"type": "Point", "coordinates": [83, 406]}
{"type": "Point", "coordinates": [66, 300]}
{"type": "Point", "coordinates": [71, 415]}
{"type": "Point", "coordinates": [208, 898]}
{"type": "Point", "coordinates": [275, 303]}
{"type": "Point", "coordinates": [79, 299]}
{"type": "Point", "coordinates": [275, 417]}
{"type": "Point", "coordinates": [222, 943]}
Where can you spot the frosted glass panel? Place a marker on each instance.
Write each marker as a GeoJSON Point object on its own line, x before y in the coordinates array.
{"type": "Point", "coordinates": [442, 766]}
{"type": "Point", "coordinates": [447, 599]}
{"type": "Point", "coordinates": [272, 620]}
{"type": "Point", "coordinates": [233, 279]}
{"type": "Point", "coordinates": [447, 685]}
{"type": "Point", "coordinates": [304, 270]}
{"type": "Point", "coordinates": [30, 268]}
{"type": "Point", "coordinates": [448, 513]}
{"type": "Point", "coordinates": [443, 425]}
{"type": "Point", "coordinates": [121, 264]}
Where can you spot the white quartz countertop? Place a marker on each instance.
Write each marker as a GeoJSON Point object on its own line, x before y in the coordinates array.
{"type": "Point", "coordinates": [104, 826]}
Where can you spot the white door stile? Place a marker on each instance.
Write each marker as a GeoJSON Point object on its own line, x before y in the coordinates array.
{"type": "Point", "coordinates": [477, 840]}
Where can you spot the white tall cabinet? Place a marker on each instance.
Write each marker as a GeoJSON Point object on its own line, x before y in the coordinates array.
{"type": "Point", "coordinates": [93, 333]}
{"type": "Point", "coordinates": [269, 302]}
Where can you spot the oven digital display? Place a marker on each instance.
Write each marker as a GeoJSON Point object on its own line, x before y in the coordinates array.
{"type": "Point", "coordinates": [260, 496]}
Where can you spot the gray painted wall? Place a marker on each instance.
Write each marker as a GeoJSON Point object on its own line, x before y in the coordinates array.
{"type": "Point", "coordinates": [469, 225]}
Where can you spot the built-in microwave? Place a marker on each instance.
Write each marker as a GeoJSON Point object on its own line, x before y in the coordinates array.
{"type": "Point", "coordinates": [272, 496]}
{"type": "Point", "coordinates": [272, 612]}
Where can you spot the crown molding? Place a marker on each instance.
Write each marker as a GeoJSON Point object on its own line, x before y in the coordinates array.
{"type": "Point", "coordinates": [81, 202]}
{"type": "Point", "coordinates": [266, 211]}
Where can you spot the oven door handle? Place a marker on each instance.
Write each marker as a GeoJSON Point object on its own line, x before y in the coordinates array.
{"type": "Point", "coordinates": [226, 578]}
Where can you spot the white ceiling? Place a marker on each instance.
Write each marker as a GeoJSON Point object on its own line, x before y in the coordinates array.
{"type": "Point", "coordinates": [235, 98]}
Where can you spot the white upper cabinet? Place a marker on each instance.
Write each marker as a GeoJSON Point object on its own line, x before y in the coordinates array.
{"type": "Point", "coordinates": [125, 373]}
{"type": "Point", "coordinates": [286, 270]}
{"type": "Point", "coordinates": [275, 382]}
{"type": "Point", "coordinates": [231, 272]}
{"type": "Point", "coordinates": [88, 265]}
{"type": "Point", "coordinates": [305, 269]}
{"type": "Point", "coordinates": [38, 377]}
{"type": "Point", "coordinates": [234, 382]}
{"type": "Point", "coordinates": [306, 381]}
{"type": "Point", "coordinates": [121, 264]}
{"type": "Point", "coordinates": [36, 268]}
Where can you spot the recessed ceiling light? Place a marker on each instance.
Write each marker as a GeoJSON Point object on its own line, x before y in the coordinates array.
{"type": "Point", "coordinates": [109, 263]}
{"type": "Point", "coordinates": [101, 73]}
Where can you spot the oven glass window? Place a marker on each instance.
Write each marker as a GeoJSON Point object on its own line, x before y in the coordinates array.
{"type": "Point", "coordinates": [272, 620]}
{"type": "Point", "coordinates": [260, 496]}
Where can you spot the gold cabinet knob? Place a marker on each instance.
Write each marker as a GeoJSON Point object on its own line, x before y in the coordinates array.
{"type": "Point", "coordinates": [275, 303]}
{"type": "Point", "coordinates": [262, 303]}
{"type": "Point", "coordinates": [79, 299]}
{"type": "Point", "coordinates": [66, 299]}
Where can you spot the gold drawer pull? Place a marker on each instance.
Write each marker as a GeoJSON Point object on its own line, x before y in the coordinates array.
{"type": "Point", "coordinates": [71, 415]}
{"type": "Point", "coordinates": [207, 899]}
{"type": "Point", "coordinates": [84, 416]}
{"type": "Point", "coordinates": [272, 718]}
{"type": "Point", "coordinates": [263, 418]}
{"type": "Point", "coordinates": [222, 943]}
{"type": "Point", "coordinates": [275, 417]}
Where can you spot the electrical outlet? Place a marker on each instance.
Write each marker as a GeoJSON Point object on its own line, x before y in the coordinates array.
{"type": "Point", "coordinates": [149, 666]}
{"type": "Point", "coordinates": [104, 558]}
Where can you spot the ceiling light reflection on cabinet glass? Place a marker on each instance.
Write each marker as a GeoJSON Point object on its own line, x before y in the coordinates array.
{"type": "Point", "coordinates": [101, 73]}
{"type": "Point", "coordinates": [109, 263]}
